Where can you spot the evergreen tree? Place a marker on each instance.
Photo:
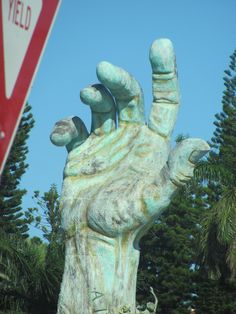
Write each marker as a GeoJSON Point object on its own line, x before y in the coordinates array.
{"type": "Point", "coordinates": [213, 297]}
{"type": "Point", "coordinates": [218, 240]}
{"type": "Point", "coordinates": [30, 282]}
{"type": "Point", "coordinates": [215, 279]}
{"type": "Point", "coordinates": [168, 256]}
{"type": "Point", "coordinates": [47, 216]}
{"type": "Point", "coordinates": [169, 261]}
{"type": "Point", "coordinates": [11, 215]}
{"type": "Point", "coordinates": [31, 271]}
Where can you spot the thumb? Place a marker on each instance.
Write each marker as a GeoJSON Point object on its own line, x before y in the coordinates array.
{"type": "Point", "coordinates": [184, 157]}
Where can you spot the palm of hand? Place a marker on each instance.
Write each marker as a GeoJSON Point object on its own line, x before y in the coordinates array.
{"type": "Point", "coordinates": [118, 179]}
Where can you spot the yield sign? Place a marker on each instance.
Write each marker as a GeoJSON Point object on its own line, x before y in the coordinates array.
{"type": "Point", "coordinates": [24, 29]}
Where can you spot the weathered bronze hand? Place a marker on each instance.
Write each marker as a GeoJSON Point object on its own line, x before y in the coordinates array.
{"type": "Point", "coordinates": [117, 180]}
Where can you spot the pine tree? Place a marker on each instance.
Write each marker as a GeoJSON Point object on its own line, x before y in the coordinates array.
{"type": "Point", "coordinates": [169, 260]}
{"type": "Point", "coordinates": [47, 216]}
{"type": "Point", "coordinates": [11, 215]}
{"type": "Point", "coordinates": [168, 256]}
{"type": "Point", "coordinates": [218, 239]}
{"type": "Point", "coordinates": [30, 270]}
{"type": "Point", "coordinates": [29, 281]}
{"type": "Point", "coordinates": [212, 297]}
{"type": "Point", "coordinates": [215, 279]}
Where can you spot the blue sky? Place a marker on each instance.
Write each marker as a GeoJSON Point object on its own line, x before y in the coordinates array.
{"type": "Point", "coordinates": [86, 32]}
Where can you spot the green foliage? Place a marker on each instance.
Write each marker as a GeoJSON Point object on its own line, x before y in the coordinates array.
{"type": "Point", "coordinates": [46, 216]}
{"type": "Point", "coordinates": [218, 237]}
{"type": "Point", "coordinates": [189, 256]}
{"type": "Point", "coordinates": [31, 271]}
{"type": "Point", "coordinates": [30, 280]}
{"type": "Point", "coordinates": [11, 215]}
{"type": "Point", "coordinates": [214, 297]}
{"type": "Point", "coordinates": [168, 253]}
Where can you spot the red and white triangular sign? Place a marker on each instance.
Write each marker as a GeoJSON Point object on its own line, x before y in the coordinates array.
{"type": "Point", "coordinates": [17, 37]}
{"type": "Point", "coordinates": [24, 29]}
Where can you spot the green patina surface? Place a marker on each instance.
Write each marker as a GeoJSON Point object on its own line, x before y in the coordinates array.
{"type": "Point", "coordinates": [118, 178]}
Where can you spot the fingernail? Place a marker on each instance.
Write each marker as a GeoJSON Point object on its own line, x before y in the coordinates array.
{"type": "Point", "coordinates": [196, 155]}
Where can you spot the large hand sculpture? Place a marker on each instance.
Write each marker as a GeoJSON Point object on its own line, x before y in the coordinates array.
{"type": "Point", "coordinates": [117, 181]}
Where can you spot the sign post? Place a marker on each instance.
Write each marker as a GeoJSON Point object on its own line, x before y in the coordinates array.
{"type": "Point", "coordinates": [24, 29]}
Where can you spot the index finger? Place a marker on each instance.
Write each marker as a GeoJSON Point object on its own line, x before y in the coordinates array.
{"type": "Point", "coordinates": [126, 91]}
{"type": "Point", "coordinates": [165, 88]}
